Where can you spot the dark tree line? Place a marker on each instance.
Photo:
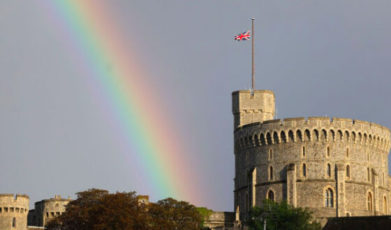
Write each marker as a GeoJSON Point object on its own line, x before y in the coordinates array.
{"type": "Point", "coordinates": [99, 210]}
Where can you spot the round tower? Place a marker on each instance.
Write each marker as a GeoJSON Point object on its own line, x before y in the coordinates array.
{"type": "Point", "coordinates": [46, 210]}
{"type": "Point", "coordinates": [13, 211]}
{"type": "Point", "coordinates": [336, 167]}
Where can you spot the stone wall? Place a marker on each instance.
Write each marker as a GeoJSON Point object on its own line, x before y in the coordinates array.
{"type": "Point", "coordinates": [46, 210]}
{"type": "Point", "coordinates": [302, 160]}
{"type": "Point", "coordinates": [249, 107]}
{"type": "Point", "coordinates": [13, 211]}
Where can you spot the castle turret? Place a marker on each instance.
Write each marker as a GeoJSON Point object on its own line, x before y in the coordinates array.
{"type": "Point", "coordinates": [13, 212]}
{"type": "Point", "coordinates": [251, 107]}
{"type": "Point", "coordinates": [46, 210]}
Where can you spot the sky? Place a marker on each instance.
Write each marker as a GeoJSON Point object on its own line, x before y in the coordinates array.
{"type": "Point", "coordinates": [321, 58]}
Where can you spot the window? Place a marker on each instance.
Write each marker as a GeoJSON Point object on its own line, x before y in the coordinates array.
{"type": "Point", "coordinates": [369, 201]}
{"type": "Point", "coordinates": [270, 195]}
{"type": "Point", "coordinates": [14, 222]}
{"type": "Point", "coordinates": [328, 152]}
{"type": "Point", "coordinates": [329, 198]}
{"type": "Point", "coordinates": [303, 151]}
{"type": "Point", "coordinates": [0, 210]}
{"type": "Point", "coordinates": [328, 170]}
{"type": "Point", "coordinates": [271, 173]}
{"type": "Point", "coordinates": [348, 171]}
{"type": "Point", "coordinates": [385, 205]}
{"type": "Point", "coordinates": [270, 154]}
{"type": "Point", "coordinates": [304, 170]}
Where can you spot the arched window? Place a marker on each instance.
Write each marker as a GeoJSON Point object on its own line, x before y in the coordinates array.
{"type": "Point", "coordinates": [328, 152]}
{"type": "Point", "coordinates": [328, 170]}
{"type": "Point", "coordinates": [14, 222]}
{"type": "Point", "coordinates": [304, 170]}
{"type": "Point", "coordinates": [271, 173]}
{"type": "Point", "coordinates": [329, 198]}
{"type": "Point", "coordinates": [303, 151]}
{"type": "Point", "coordinates": [385, 209]}
{"type": "Point", "coordinates": [291, 136]}
{"type": "Point", "coordinates": [270, 195]}
{"type": "Point", "coordinates": [347, 170]}
{"type": "Point", "coordinates": [269, 139]}
{"type": "Point", "coordinates": [298, 135]}
{"type": "Point", "coordinates": [369, 201]}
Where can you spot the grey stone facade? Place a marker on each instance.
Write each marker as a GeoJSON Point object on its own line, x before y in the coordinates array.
{"type": "Point", "coordinates": [336, 167]}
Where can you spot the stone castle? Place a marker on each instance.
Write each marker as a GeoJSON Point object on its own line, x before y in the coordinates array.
{"type": "Point", "coordinates": [335, 167]}
{"type": "Point", "coordinates": [15, 213]}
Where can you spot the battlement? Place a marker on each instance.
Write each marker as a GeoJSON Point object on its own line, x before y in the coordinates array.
{"type": "Point", "coordinates": [252, 106]}
{"type": "Point", "coordinates": [313, 129]}
{"type": "Point", "coordinates": [12, 198]}
{"type": "Point", "coordinates": [10, 203]}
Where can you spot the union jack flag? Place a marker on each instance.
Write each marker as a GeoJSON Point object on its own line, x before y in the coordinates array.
{"type": "Point", "coordinates": [243, 36]}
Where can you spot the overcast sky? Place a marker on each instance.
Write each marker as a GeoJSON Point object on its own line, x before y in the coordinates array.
{"type": "Point", "coordinates": [319, 57]}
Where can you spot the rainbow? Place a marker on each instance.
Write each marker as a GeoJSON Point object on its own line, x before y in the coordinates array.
{"type": "Point", "coordinates": [147, 134]}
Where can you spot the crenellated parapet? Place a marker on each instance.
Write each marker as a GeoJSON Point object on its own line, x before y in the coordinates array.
{"type": "Point", "coordinates": [13, 211]}
{"type": "Point", "coordinates": [10, 203]}
{"type": "Point", "coordinates": [313, 129]}
{"type": "Point", "coordinates": [333, 166]}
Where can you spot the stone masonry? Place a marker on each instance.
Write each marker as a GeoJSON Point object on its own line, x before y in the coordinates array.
{"type": "Point", "coordinates": [335, 167]}
{"type": "Point", "coordinates": [13, 212]}
{"type": "Point", "coordinates": [46, 210]}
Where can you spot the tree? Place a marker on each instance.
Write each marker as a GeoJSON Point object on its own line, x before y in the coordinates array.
{"type": "Point", "coordinates": [281, 216]}
{"type": "Point", "coordinates": [205, 213]}
{"type": "Point", "coordinates": [174, 215]}
{"type": "Point", "coordinates": [96, 209]}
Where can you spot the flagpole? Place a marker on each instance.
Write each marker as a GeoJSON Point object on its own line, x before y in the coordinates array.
{"type": "Point", "coordinates": [252, 57]}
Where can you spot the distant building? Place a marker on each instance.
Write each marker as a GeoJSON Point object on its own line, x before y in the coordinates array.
{"type": "Point", "coordinates": [220, 221]}
{"type": "Point", "coordinates": [13, 211]}
{"type": "Point", "coordinates": [143, 200]}
{"type": "Point", "coordinates": [46, 210]}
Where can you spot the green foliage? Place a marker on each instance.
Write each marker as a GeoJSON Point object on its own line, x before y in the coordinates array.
{"type": "Point", "coordinates": [172, 214]}
{"type": "Point", "coordinates": [281, 216]}
{"type": "Point", "coordinates": [99, 210]}
{"type": "Point", "coordinates": [205, 213]}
